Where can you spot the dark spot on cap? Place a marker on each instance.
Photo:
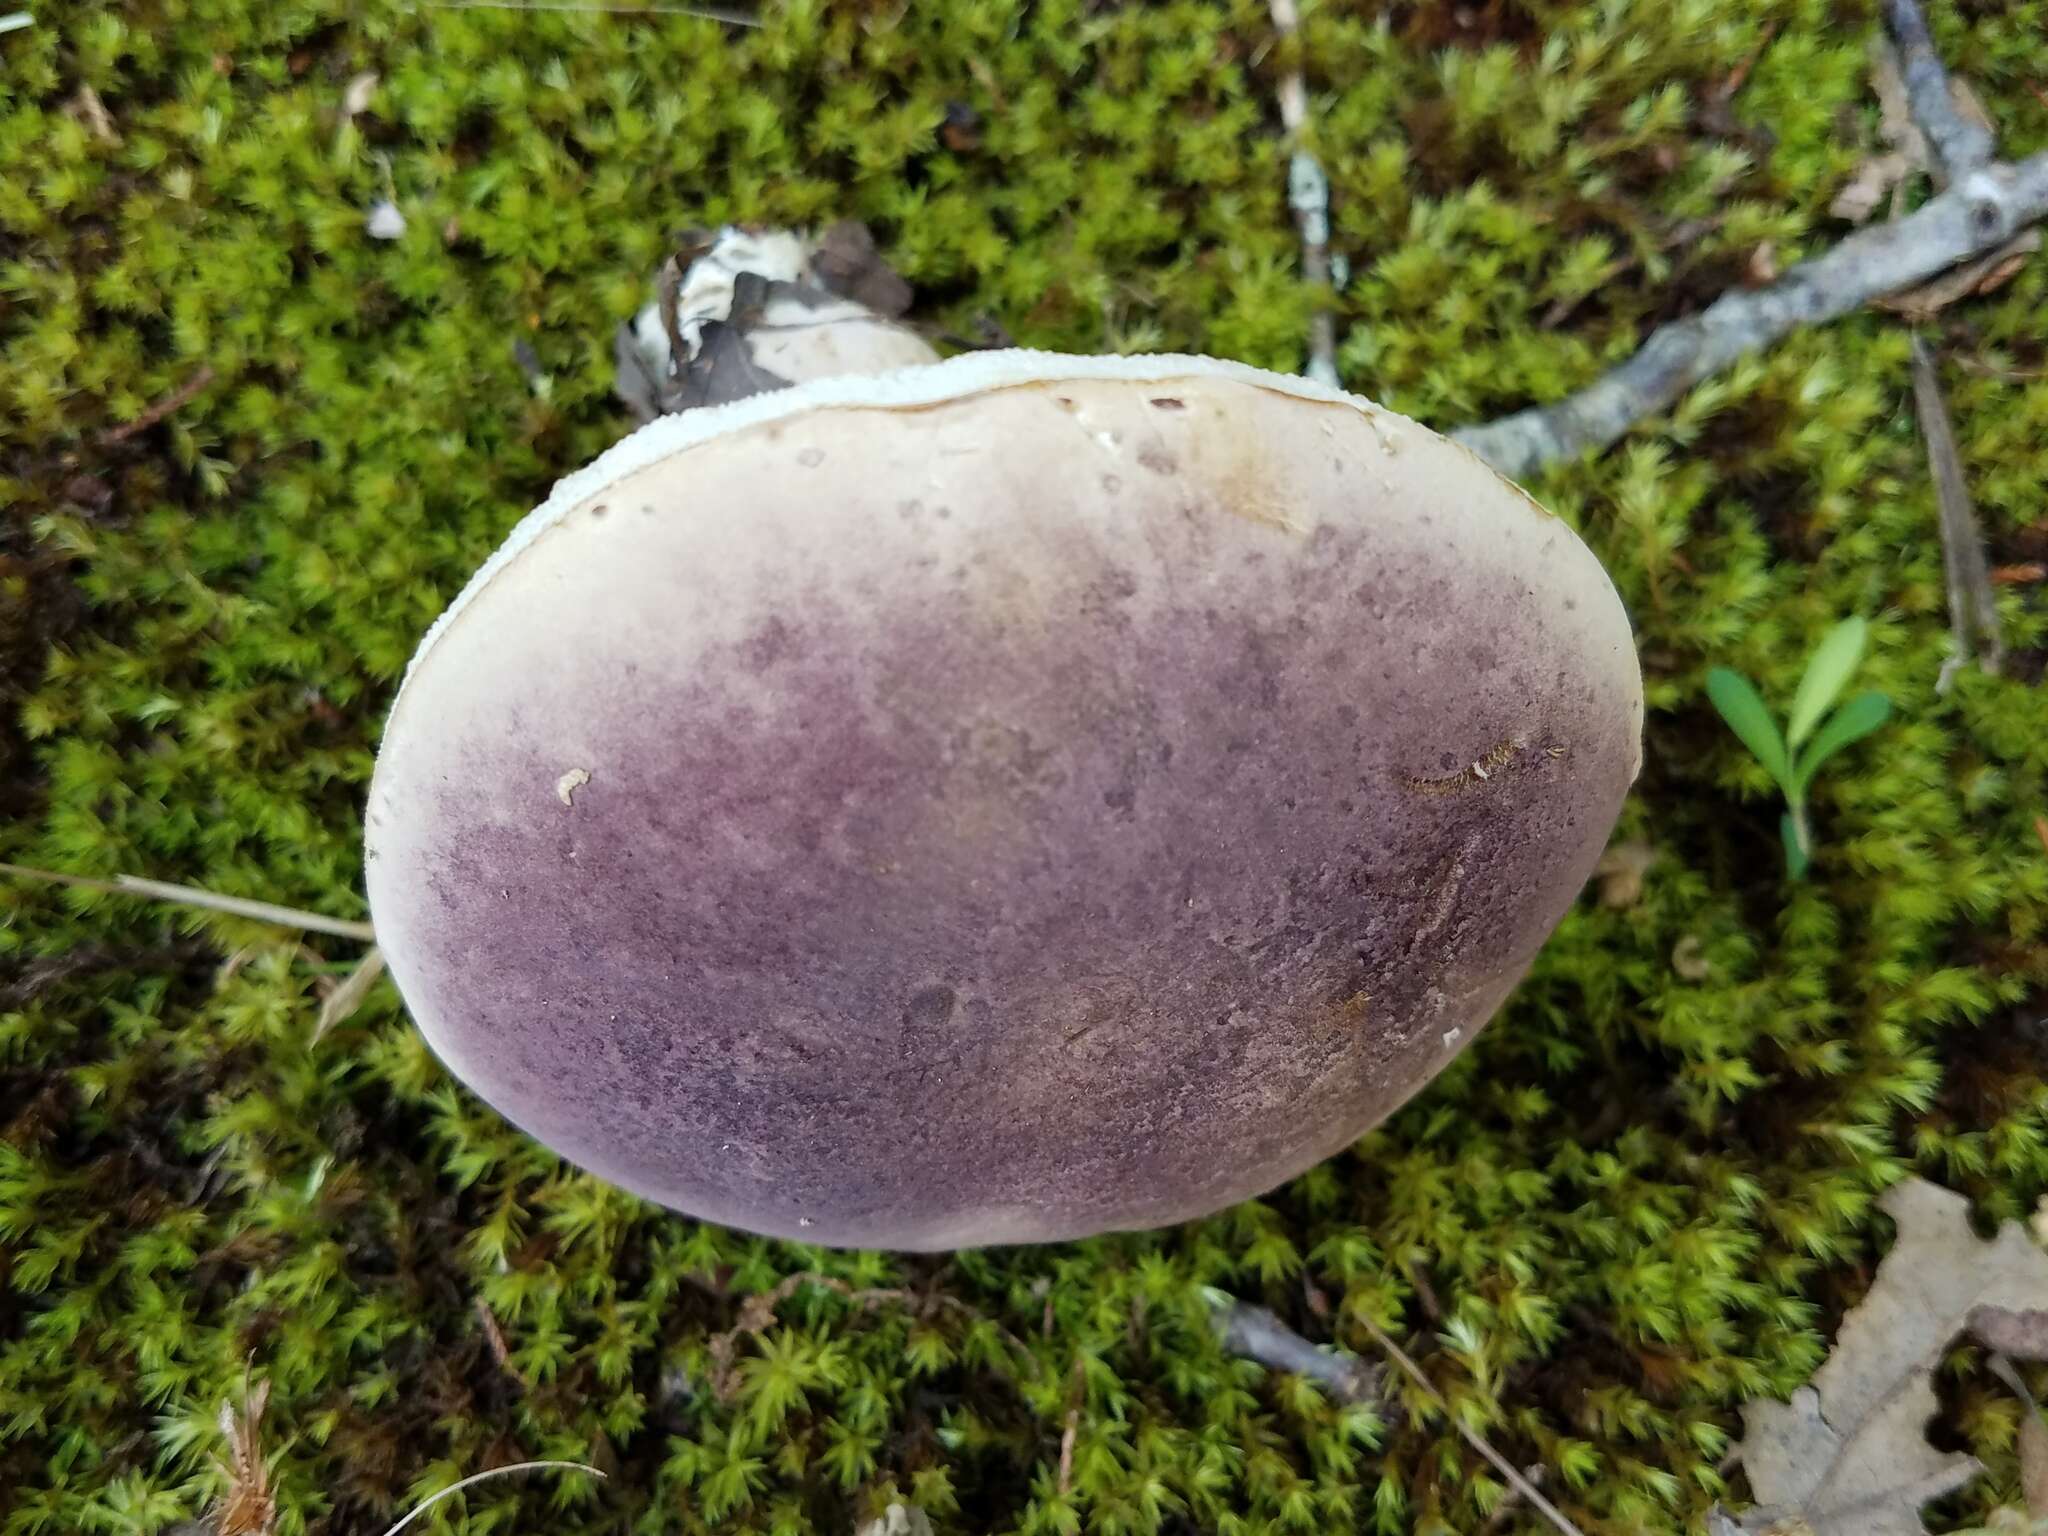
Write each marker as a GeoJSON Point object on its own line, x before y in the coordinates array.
{"type": "Point", "coordinates": [1168, 403]}
{"type": "Point", "coordinates": [930, 1007]}
{"type": "Point", "coordinates": [599, 510]}
{"type": "Point", "coordinates": [811, 458]}
{"type": "Point", "coordinates": [1157, 459]}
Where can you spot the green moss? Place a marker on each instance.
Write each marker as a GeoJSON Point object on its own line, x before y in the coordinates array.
{"type": "Point", "coordinates": [1640, 1199]}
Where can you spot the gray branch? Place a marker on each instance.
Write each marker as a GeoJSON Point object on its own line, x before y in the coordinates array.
{"type": "Point", "coordinates": [1257, 1334]}
{"type": "Point", "coordinates": [1960, 144]}
{"type": "Point", "coordinates": [1980, 211]}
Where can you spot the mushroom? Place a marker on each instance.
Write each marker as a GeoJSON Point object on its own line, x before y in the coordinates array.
{"type": "Point", "coordinates": [1002, 800]}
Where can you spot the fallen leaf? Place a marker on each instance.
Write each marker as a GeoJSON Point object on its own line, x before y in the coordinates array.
{"type": "Point", "coordinates": [1905, 148]}
{"type": "Point", "coordinates": [1620, 872]}
{"type": "Point", "coordinates": [1849, 1454]}
{"type": "Point", "coordinates": [1862, 193]}
{"type": "Point", "coordinates": [1987, 273]}
{"type": "Point", "coordinates": [341, 1004]}
{"type": "Point", "coordinates": [2019, 575]}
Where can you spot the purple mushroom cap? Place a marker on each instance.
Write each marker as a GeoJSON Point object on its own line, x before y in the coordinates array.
{"type": "Point", "coordinates": [999, 801]}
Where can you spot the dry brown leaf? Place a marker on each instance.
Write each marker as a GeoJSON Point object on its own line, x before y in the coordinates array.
{"type": "Point", "coordinates": [1620, 872]}
{"type": "Point", "coordinates": [250, 1509]}
{"type": "Point", "coordinates": [1988, 272]}
{"type": "Point", "coordinates": [341, 1004]}
{"type": "Point", "coordinates": [1865, 191]}
{"type": "Point", "coordinates": [1849, 1455]}
{"type": "Point", "coordinates": [1905, 147]}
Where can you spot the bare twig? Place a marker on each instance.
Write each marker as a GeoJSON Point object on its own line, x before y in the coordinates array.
{"type": "Point", "coordinates": [1972, 609]}
{"type": "Point", "coordinates": [1258, 1334]}
{"type": "Point", "coordinates": [1960, 144]}
{"type": "Point", "coordinates": [192, 896]}
{"type": "Point", "coordinates": [1980, 212]}
{"type": "Point", "coordinates": [1308, 195]}
{"type": "Point", "coordinates": [176, 400]}
{"type": "Point", "coordinates": [1473, 1438]}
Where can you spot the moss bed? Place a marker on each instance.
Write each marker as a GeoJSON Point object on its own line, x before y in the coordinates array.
{"type": "Point", "coordinates": [1643, 1197]}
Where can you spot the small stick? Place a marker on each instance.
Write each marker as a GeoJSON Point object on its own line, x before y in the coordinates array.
{"type": "Point", "coordinates": [1979, 213]}
{"type": "Point", "coordinates": [1257, 1334]}
{"type": "Point", "coordinates": [1308, 195]}
{"type": "Point", "coordinates": [1073, 1428]}
{"type": "Point", "coordinates": [192, 896]}
{"type": "Point", "coordinates": [1506, 1468]}
{"type": "Point", "coordinates": [177, 399]}
{"type": "Point", "coordinates": [1972, 609]}
{"type": "Point", "coordinates": [1959, 144]}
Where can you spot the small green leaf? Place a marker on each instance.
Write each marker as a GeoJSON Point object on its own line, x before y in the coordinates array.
{"type": "Point", "coordinates": [1851, 723]}
{"type": "Point", "coordinates": [1748, 717]}
{"type": "Point", "coordinates": [1833, 663]}
{"type": "Point", "coordinates": [1795, 851]}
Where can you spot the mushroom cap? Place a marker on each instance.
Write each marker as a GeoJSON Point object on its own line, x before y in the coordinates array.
{"type": "Point", "coordinates": [1001, 801]}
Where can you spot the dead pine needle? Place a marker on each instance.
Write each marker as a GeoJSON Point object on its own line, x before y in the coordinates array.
{"type": "Point", "coordinates": [175, 401]}
{"type": "Point", "coordinates": [211, 901]}
{"type": "Point", "coordinates": [477, 1477]}
{"type": "Point", "coordinates": [1501, 1464]}
{"type": "Point", "coordinates": [1972, 608]}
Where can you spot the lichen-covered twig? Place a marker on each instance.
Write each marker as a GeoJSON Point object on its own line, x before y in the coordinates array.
{"type": "Point", "coordinates": [1308, 195]}
{"type": "Point", "coordinates": [1986, 204]}
{"type": "Point", "coordinates": [1979, 212]}
{"type": "Point", "coordinates": [1257, 1334]}
{"type": "Point", "coordinates": [1960, 144]}
{"type": "Point", "coordinates": [1972, 606]}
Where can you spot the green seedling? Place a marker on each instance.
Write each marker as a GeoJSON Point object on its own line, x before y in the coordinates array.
{"type": "Point", "coordinates": [1811, 735]}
